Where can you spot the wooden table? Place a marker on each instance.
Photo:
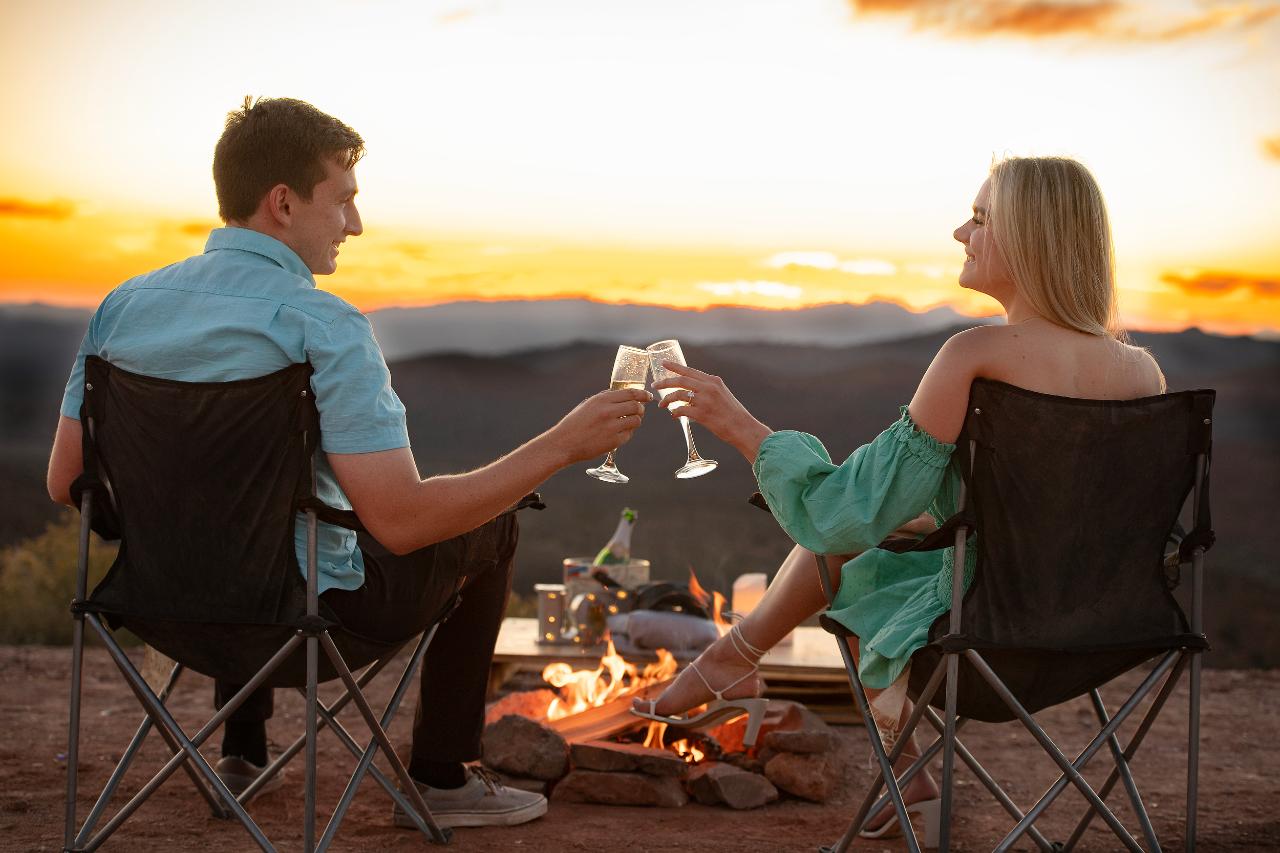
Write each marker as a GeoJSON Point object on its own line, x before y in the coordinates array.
{"type": "Point", "coordinates": [808, 670]}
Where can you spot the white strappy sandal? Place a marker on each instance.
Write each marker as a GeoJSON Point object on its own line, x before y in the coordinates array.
{"type": "Point", "coordinates": [721, 708]}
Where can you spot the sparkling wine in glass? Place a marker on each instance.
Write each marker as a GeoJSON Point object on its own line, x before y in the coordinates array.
{"type": "Point", "coordinates": [695, 465]}
{"type": "Point", "coordinates": [630, 369]}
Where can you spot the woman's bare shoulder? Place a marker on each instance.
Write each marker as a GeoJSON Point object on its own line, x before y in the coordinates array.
{"type": "Point", "coordinates": [1147, 370]}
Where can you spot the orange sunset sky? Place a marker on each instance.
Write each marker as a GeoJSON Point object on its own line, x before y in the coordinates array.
{"type": "Point", "coordinates": [774, 154]}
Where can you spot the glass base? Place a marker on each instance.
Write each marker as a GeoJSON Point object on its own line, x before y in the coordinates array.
{"type": "Point", "coordinates": [696, 469]}
{"type": "Point", "coordinates": [608, 475]}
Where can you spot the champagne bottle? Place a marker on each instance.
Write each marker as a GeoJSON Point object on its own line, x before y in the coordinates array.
{"type": "Point", "coordinates": [618, 548]}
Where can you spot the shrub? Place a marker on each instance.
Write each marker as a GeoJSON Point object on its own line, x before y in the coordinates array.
{"type": "Point", "coordinates": [37, 582]}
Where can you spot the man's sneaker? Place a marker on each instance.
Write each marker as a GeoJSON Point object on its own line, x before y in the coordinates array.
{"type": "Point", "coordinates": [239, 773]}
{"type": "Point", "coordinates": [482, 801]}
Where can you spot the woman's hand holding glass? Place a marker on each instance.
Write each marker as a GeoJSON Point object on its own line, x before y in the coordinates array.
{"type": "Point", "coordinates": [706, 400]}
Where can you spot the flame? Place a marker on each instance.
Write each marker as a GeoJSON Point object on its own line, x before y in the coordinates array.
{"type": "Point", "coordinates": [713, 601]}
{"type": "Point", "coordinates": [590, 688]}
{"type": "Point", "coordinates": [653, 739]}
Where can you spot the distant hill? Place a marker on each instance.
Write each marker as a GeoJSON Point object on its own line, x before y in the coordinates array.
{"type": "Point", "coordinates": [499, 328]}
{"type": "Point", "coordinates": [465, 409]}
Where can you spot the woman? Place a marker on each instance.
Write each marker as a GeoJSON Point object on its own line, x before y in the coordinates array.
{"type": "Point", "coordinates": [1038, 242]}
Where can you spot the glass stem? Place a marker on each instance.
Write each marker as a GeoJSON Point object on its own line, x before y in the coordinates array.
{"type": "Point", "coordinates": [607, 464]}
{"type": "Point", "coordinates": [688, 441]}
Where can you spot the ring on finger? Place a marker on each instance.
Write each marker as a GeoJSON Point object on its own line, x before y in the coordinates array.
{"type": "Point", "coordinates": [691, 395]}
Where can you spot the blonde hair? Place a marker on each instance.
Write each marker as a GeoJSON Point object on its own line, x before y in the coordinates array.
{"type": "Point", "coordinates": [1051, 225]}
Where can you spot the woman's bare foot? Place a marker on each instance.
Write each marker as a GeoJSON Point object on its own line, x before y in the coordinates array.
{"type": "Point", "coordinates": [726, 667]}
{"type": "Point", "coordinates": [921, 787]}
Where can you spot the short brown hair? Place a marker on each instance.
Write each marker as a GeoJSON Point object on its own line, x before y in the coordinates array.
{"type": "Point", "coordinates": [276, 141]}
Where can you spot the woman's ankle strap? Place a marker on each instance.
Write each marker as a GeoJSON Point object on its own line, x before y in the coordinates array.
{"type": "Point", "coordinates": [751, 653]}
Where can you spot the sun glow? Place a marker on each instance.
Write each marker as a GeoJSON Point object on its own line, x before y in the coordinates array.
{"type": "Point", "coordinates": [764, 154]}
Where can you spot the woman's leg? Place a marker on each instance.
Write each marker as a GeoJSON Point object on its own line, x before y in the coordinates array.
{"type": "Point", "coordinates": [794, 596]}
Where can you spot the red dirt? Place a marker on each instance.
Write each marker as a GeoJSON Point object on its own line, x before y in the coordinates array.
{"type": "Point", "coordinates": [1239, 800]}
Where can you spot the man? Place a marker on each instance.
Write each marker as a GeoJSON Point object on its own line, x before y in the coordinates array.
{"type": "Point", "coordinates": [286, 186]}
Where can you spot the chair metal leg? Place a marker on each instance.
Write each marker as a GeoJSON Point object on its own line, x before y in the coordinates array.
{"type": "Point", "coordinates": [877, 747]}
{"type": "Point", "coordinates": [871, 802]}
{"type": "Point", "coordinates": [1132, 748]}
{"type": "Point", "coordinates": [344, 737]}
{"type": "Point", "coordinates": [73, 733]}
{"type": "Point", "coordinates": [1193, 753]}
{"type": "Point", "coordinates": [309, 791]}
{"type": "Point", "coordinates": [328, 716]}
{"type": "Point", "coordinates": [294, 748]}
{"type": "Point", "coordinates": [122, 767]}
{"type": "Point", "coordinates": [1130, 787]}
{"type": "Point", "coordinates": [190, 746]}
{"type": "Point", "coordinates": [984, 777]}
{"type": "Point", "coordinates": [949, 751]}
{"type": "Point", "coordinates": [1070, 771]}
{"type": "Point", "coordinates": [439, 834]}
{"type": "Point", "coordinates": [77, 667]}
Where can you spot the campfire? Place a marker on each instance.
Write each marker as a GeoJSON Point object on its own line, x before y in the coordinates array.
{"type": "Point", "coordinates": [617, 679]}
{"type": "Point", "coordinates": [581, 743]}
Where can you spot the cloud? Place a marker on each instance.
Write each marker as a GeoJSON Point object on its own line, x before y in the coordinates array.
{"type": "Point", "coordinates": [21, 208]}
{"type": "Point", "coordinates": [1121, 20]}
{"type": "Point", "coordinates": [1271, 148]}
{"type": "Point", "coordinates": [816, 260]}
{"type": "Point", "coordinates": [999, 17]}
{"type": "Point", "coordinates": [1217, 283]}
{"type": "Point", "coordinates": [742, 287]}
{"type": "Point", "coordinates": [1243, 15]}
{"type": "Point", "coordinates": [829, 261]}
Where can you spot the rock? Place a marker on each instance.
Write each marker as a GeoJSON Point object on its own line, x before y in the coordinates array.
{"type": "Point", "coordinates": [527, 703]}
{"type": "Point", "coordinates": [522, 747]}
{"type": "Point", "coordinates": [810, 777]}
{"type": "Point", "coordinates": [627, 757]}
{"type": "Point", "coordinates": [803, 742]}
{"type": "Point", "coordinates": [713, 782]}
{"type": "Point", "coordinates": [620, 789]}
{"type": "Point", "coordinates": [744, 762]}
{"type": "Point", "coordinates": [782, 715]}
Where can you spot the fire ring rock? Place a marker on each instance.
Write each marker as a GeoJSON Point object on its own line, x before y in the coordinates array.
{"type": "Point", "coordinates": [713, 782]}
{"type": "Point", "coordinates": [810, 777]}
{"type": "Point", "coordinates": [522, 747]}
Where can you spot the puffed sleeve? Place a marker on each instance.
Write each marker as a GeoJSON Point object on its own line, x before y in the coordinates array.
{"type": "Point", "coordinates": [853, 506]}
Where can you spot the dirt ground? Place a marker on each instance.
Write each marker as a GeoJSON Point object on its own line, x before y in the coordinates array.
{"type": "Point", "coordinates": [1239, 801]}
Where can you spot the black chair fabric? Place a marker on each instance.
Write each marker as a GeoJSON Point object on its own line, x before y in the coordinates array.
{"type": "Point", "coordinates": [1072, 502]}
{"type": "Point", "coordinates": [201, 483]}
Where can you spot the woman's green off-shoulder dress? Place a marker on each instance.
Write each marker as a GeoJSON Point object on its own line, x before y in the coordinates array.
{"type": "Point", "coordinates": [889, 600]}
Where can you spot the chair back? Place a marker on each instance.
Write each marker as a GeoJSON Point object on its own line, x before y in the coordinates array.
{"type": "Point", "coordinates": [201, 483]}
{"type": "Point", "coordinates": [1073, 503]}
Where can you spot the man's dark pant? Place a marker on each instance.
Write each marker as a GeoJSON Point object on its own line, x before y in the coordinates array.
{"type": "Point", "coordinates": [403, 596]}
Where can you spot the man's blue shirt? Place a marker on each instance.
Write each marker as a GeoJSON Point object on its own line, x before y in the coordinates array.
{"type": "Point", "coordinates": [247, 307]}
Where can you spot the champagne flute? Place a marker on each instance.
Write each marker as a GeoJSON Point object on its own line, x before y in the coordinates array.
{"type": "Point", "coordinates": [695, 465]}
{"type": "Point", "coordinates": [630, 369]}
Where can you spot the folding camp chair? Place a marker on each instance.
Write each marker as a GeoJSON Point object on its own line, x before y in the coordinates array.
{"type": "Point", "coordinates": [202, 483]}
{"type": "Point", "coordinates": [1072, 503]}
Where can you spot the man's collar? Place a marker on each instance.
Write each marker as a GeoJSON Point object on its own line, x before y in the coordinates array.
{"type": "Point", "coordinates": [248, 240]}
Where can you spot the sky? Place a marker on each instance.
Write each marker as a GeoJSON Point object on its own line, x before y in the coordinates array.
{"type": "Point", "coordinates": [771, 153]}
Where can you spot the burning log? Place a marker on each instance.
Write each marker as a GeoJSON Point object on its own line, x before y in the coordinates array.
{"type": "Point", "coordinates": [607, 720]}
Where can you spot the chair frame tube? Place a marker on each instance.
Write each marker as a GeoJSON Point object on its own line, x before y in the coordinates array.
{"type": "Point", "coordinates": [873, 731]}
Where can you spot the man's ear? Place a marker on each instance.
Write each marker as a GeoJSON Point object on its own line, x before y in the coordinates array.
{"type": "Point", "coordinates": [277, 205]}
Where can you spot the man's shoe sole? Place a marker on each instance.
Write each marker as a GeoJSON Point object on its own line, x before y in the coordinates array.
{"type": "Point", "coordinates": [524, 814]}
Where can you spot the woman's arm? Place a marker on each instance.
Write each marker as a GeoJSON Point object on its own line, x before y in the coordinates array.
{"type": "Point", "coordinates": [710, 403]}
{"type": "Point", "coordinates": [938, 407]}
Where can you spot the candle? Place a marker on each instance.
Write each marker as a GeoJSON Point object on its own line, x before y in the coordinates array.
{"type": "Point", "coordinates": [551, 611]}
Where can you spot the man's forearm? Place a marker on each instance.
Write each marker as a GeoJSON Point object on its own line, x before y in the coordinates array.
{"type": "Point", "coordinates": [447, 505]}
